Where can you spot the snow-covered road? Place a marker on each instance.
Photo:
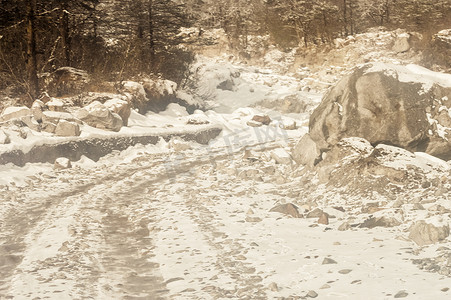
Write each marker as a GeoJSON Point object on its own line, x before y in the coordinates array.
{"type": "Point", "coordinates": [181, 225]}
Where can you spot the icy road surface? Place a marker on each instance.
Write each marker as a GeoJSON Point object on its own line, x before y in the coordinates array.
{"type": "Point", "coordinates": [190, 225]}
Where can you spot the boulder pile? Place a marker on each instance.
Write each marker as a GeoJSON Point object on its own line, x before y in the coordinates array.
{"type": "Point", "coordinates": [404, 106]}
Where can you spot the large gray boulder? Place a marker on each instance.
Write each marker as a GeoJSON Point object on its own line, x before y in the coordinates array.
{"type": "Point", "coordinates": [99, 116]}
{"type": "Point", "coordinates": [387, 103]}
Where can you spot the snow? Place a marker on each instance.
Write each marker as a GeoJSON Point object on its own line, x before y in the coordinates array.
{"type": "Point", "coordinates": [250, 84]}
{"type": "Point", "coordinates": [412, 74]}
{"type": "Point", "coordinates": [399, 158]}
{"type": "Point", "coordinates": [175, 110]}
{"type": "Point", "coordinates": [197, 218]}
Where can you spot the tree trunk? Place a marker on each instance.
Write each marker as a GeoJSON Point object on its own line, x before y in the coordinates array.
{"type": "Point", "coordinates": [32, 65]}
{"type": "Point", "coordinates": [65, 32]}
{"type": "Point", "coordinates": [345, 17]}
{"type": "Point", "coordinates": [351, 17]}
{"type": "Point", "coordinates": [151, 36]}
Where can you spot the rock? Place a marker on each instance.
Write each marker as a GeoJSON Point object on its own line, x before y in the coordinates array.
{"type": "Point", "coordinates": [62, 163]}
{"type": "Point", "coordinates": [328, 261]}
{"type": "Point", "coordinates": [262, 118]}
{"type": "Point", "coordinates": [325, 286]}
{"type": "Point", "coordinates": [226, 85]}
{"type": "Point", "coordinates": [197, 119]}
{"type": "Point", "coordinates": [392, 98]}
{"type": "Point", "coordinates": [4, 138]}
{"type": "Point", "coordinates": [401, 294]}
{"type": "Point", "coordinates": [253, 219]}
{"type": "Point", "coordinates": [179, 145]}
{"type": "Point", "coordinates": [281, 156]}
{"type": "Point", "coordinates": [312, 294]}
{"type": "Point", "coordinates": [31, 123]}
{"type": "Point", "coordinates": [175, 110]}
{"type": "Point", "coordinates": [273, 287]}
{"type": "Point", "coordinates": [120, 107]}
{"type": "Point", "coordinates": [316, 213]}
{"type": "Point", "coordinates": [345, 271]}
{"type": "Point", "coordinates": [287, 209]}
{"type": "Point", "coordinates": [48, 127]}
{"type": "Point", "coordinates": [68, 81]}
{"type": "Point", "coordinates": [440, 49]}
{"type": "Point", "coordinates": [380, 222]}
{"type": "Point", "coordinates": [344, 226]}
{"type": "Point", "coordinates": [423, 233]}
{"type": "Point", "coordinates": [65, 128]}
{"type": "Point", "coordinates": [290, 104]}
{"type": "Point", "coordinates": [15, 112]}
{"type": "Point", "coordinates": [99, 116]}
{"type": "Point", "coordinates": [306, 152]}
{"type": "Point", "coordinates": [324, 219]}
{"type": "Point", "coordinates": [288, 125]}
{"type": "Point", "coordinates": [159, 93]}
{"type": "Point", "coordinates": [54, 117]}
{"type": "Point", "coordinates": [56, 105]}
{"type": "Point", "coordinates": [36, 109]}
{"type": "Point", "coordinates": [402, 43]}
{"type": "Point", "coordinates": [252, 123]}
{"type": "Point", "coordinates": [418, 206]}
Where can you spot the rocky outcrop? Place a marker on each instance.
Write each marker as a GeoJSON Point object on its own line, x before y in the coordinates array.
{"type": "Point", "coordinates": [439, 54]}
{"type": "Point", "coordinates": [385, 103]}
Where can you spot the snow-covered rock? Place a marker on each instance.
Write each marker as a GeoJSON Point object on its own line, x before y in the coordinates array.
{"type": "Point", "coordinates": [197, 119]}
{"type": "Point", "coordinates": [175, 110]}
{"type": "Point", "coordinates": [288, 124]}
{"type": "Point", "coordinates": [56, 105]}
{"type": "Point", "coordinates": [55, 116]}
{"type": "Point", "coordinates": [281, 156]}
{"type": "Point", "coordinates": [37, 109]}
{"type": "Point", "coordinates": [178, 145]}
{"type": "Point", "coordinates": [385, 103]}
{"type": "Point", "coordinates": [62, 163]}
{"type": "Point", "coordinates": [14, 112]}
{"type": "Point", "coordinates": [99, 116]}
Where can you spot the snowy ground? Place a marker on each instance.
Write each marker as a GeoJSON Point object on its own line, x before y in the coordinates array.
{"type": "Point", "coordinates": [179, 220]}
{"type": "Point", "coordinates": [148, 223]}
